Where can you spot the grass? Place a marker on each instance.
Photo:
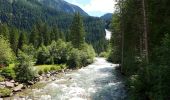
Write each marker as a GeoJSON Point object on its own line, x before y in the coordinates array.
{"type": "Point", "coordinates": [46, 68]}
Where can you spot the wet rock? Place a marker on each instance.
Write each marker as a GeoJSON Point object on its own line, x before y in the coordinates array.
{"type": "Point", "coordinates": [9, 84]}
{"type": "Point", "coordinates": [41, 78]}
{"type": "Point", "coordinates": [12, 81]}
{"type": "Point", "coordinates": [18, 88]}
{"type": "Point", "coordinates": [48, 75]}
{"type": "Point", "coordinates": [30, 82]}
{"type": "Point", "coordinates": [2, 83]}
{"type": "Point", "coordinates": [16, 83]}
{"type": "Point", "coordinates": [2, 86]}
{"type": "Point", "coordinates": [53, 79]}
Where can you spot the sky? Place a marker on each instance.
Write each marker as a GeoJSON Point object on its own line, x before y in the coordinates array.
{"type": "Point", "coordinates": [95, 7]}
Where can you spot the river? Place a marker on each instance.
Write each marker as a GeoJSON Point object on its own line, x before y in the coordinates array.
{"type": "Point", "coordinates": [98, 81]}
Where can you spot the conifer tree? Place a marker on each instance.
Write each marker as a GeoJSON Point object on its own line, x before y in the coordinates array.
{"type": "Point", "coordinates": [14, 39]}
{"type": "Point", "coordinates": [46, 35]}
{"type": "Point", "coordinates": [4, 30]}
{"type": "Point", "coordinates": [22, 40]}
{"type": "Point", "coordinates": [77, 31]}
{"type": "Point", "coordinates": [34, 37]}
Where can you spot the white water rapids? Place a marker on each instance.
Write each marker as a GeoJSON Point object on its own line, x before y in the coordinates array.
{"type": "Point", "coordinates": [108, 34]}
{"type": "Point", "coordinates": [98, 81]}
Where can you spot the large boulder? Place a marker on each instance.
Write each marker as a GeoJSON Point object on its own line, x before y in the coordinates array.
{"type": "Point", "coordinates": [9, 84]}
{"type": "Point", "coordinates": [18, 88]}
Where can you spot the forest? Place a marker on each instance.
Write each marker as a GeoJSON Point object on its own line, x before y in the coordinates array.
{"type": "Point", "coordinates": [20, 52]}
{"type": "Point", "coordinates": [24, 14]}
{"type": "Point", "coordinates": [141, 45]}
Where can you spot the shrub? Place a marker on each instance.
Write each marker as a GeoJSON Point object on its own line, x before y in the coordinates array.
{"type": "Point", "coordinates": [52, 68]}
{"type": "Point", "coordinates": [8, 72]}
{"type": "Point", "coordinates": [6, 54]}
{"type": "Point", "coordinates": [43, 56]}
{"type": "Point", "coordinates": [46, 70]}
{"type": "Point", "coordinates": [40, 72]}
{"type": "Point", "coordinates": [4, 92]}
{"type": "Point", "coordinates": [74, 59]}
{"type": "Point", "coordinates": [103, 54]}
{"type": "Point", "coordinates": [1, 79]}
{"type": "Point", "coordinates": [24, 69]}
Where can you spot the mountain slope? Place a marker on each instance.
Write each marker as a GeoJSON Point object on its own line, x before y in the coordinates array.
{"type": "Point", "coordinates": [62, 5]}
{"type": "Point", "coordinates": [23, 14]}
{"type": "Point", "coordinates": [107, 16]}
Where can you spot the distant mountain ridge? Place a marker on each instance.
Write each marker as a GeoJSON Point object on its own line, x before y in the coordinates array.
{"type": "Point", "coordinates": [107, 16]}
{"type": "Point", "coordinates": [64, 6]}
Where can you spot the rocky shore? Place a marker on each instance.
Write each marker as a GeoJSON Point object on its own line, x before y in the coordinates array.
{"type": "Point", "coordinates": [14, 87]}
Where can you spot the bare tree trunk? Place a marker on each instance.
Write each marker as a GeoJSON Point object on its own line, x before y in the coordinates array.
{"type": "Point", "coordinates": [145, 31]}
{"type": "Point", "coordinates": [122, 35]}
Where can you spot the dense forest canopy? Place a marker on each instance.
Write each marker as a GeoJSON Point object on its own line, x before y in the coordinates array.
{"type": "Point", "coordinates": [140, 43]}
{"type": "Point", "coordinates": [24, 14]}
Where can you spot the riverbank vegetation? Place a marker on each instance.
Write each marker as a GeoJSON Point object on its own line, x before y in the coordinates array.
{"type": "Point", "coordinates": [141, 44]}
{"type": "Point", "coordinates": [22, 58]}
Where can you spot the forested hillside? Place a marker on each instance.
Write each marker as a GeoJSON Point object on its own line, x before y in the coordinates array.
{"type": "Point", "coordinates": [24, 14]}
{"type": "Point", "coordinates": [141, 44]}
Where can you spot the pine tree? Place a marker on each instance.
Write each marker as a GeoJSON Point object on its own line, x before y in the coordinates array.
{"type": "Point", "coordinates": [46, 35]}
{"type": "Point", "coordinates": [54, 33]}
{"type": "Point", "coordinates": [22, 40]}
{"type": "Point", "coordinates": [14, 39]}
{"type": "Point", "coordinates": [4, 30]}
{"type": "Point", "coordinates": [77, 31]}
{"type": "Point", "coordinates": [34, 37]}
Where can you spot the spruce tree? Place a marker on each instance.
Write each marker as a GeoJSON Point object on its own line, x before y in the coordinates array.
{"type": "Point", "coordinates": [14, 39]}
{"type": "Point", "coordinates": [22, 40]}
{"type": "Point", "coordinates": [4, 30]}
{"type": "Point", "coordinates": [46, 35]}
{"type": "Point", "coordinates": [77, 31]}
{"type": "Point", "coordinates": [34, 37]}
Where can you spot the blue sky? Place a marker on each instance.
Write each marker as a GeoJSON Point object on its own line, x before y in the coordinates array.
{"type": "Point", "coordinates": [95, 7]}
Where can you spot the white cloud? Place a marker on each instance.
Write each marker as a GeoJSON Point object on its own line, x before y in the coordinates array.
{"type": "Point", "coordinates": [100, 6]}
{"type": "Point", "coordinates": [96, 7]}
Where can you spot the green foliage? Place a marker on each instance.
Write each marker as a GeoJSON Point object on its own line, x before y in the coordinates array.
{"type": "Point", "coordinates": [34, 37]}
{"type": "Point", "coordinates": [40, 72]}
{"type": "Point", "coordinates": [22, 40]}
{"type": "Point", "coordinates": [2, 79]}
{"type": "Point", "coordinates": [77, 31]}
{"type": "Point", "coordinates": [14, 35]}
{"type": "Point", "coordinates": [24, 70]}
{"type": "Point", "coordinates": [45, 68]}
{"type": "Point", "coordinates": [25, 14]}
{"type": "Point", "coordinates": [8, 72]}
{"type": "Point", "coordinates": [148, 79]}
{"type": "Point", "coordinates": [74, 59]}
{"type": "Point", "coordinates": [43, 55]}
{"type": "Point", "coordinates": [79, 58]}
{"type": "Point", "coordinates": [6, 54]}
{"type": "Point", "coordinates": [103, 54]}
{"type": "Point", "coordinates": [4, 31]}
{"type": "Point", "coordinates": [31, 51]}
{"type": "Point", "coordinates": [4, 92]}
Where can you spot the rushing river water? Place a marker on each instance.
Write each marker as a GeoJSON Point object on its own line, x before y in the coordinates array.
{"type": "Point", "coordinates": [98, 81]}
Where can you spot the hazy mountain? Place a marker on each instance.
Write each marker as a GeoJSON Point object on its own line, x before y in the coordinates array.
{"type": "Point", "coordinates": [62, 5]}
{"type": "Point", "coordinates": [107, 16]}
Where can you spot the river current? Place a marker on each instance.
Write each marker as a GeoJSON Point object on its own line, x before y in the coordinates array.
{"type": "Point", "coordinates": [98, 81]}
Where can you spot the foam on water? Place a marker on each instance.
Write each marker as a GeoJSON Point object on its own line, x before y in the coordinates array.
{"type": "Point", "coordinates": [97, 81]}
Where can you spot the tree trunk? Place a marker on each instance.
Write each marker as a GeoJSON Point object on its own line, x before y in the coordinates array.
{"type": "Point", "coordinates": [145, 31]}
